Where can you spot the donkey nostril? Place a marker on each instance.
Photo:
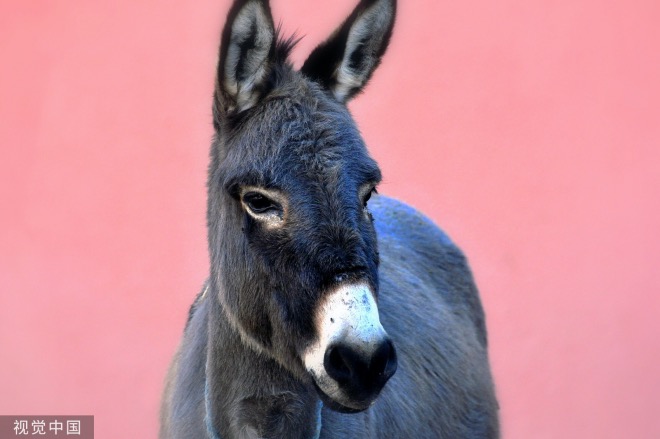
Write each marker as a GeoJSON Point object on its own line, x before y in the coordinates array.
{"type": "Point", "coordinates": [384, 362]}
{"type": "Point", "coordinates": [336, 363]}
{"type": "Point", "coordinates": [349, 367]}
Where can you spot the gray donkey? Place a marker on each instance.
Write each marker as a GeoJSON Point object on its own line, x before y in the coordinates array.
{"type": "Point", "coordinates": [320, 290]}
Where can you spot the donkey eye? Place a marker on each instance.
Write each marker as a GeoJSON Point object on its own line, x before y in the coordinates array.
{"type": "Point", "coordinates": [368, 196]}
{"type": "Point", "coordinates": [259, 203]}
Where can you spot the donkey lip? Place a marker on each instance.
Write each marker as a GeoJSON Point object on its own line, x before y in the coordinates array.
{"type": "Point", "coordinates": [337, 406]}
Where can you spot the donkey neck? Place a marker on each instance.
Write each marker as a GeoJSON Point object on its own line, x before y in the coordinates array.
{"type": "Point", "coordinates": [247, 393]}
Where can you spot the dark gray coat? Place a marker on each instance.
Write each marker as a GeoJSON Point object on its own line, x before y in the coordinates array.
{"type": "Point", "coordinates": [328, 312]}
{"type": "Point", "coordinates": [430, 307]}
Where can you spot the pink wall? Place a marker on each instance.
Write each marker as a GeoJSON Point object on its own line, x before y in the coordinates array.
{"type": "Point", "coordinates": [530, 131]}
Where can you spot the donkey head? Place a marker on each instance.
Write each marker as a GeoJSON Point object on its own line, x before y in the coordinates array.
{"type": "Point", "coordinates": [293, 248]}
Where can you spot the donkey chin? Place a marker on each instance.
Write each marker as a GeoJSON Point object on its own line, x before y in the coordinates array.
{"type": "Point", "coordinates": [353, 357]}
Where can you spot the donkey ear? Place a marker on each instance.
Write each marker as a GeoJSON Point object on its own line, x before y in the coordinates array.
{"type": "Point", "coordinates": [246, 53]}
{"type": "Point", "coordinates": [344, 63]}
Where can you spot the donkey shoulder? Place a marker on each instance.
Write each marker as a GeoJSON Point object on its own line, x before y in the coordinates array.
{"type": "Point", "coordinates": [423, 255]}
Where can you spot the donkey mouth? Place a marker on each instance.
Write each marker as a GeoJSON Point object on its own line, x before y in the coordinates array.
{"type": "Point", "coordinates": [336, 406]}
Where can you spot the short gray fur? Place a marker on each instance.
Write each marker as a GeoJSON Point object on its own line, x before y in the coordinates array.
{"type": "Point", "coordinates": [430, 307]}
{"type": "Point", "coordinates": [241, 353]}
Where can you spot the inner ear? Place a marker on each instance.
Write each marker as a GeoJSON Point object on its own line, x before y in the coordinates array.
{"type": "Point", "coordinates": [246, 55]}
{"type": "Point", "coordinates": [345, 62]}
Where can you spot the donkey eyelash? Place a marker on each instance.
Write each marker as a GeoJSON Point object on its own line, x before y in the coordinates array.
{"type": "Point", "coordinates": [260, 204]}
{"type": "Point", "coordinates": [368, 195]}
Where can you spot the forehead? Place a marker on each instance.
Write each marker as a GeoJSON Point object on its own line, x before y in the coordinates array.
{"type": "Point", "coordinates": [298, 134]}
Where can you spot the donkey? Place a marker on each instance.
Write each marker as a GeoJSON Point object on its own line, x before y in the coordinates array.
{"type": "Point", "coordinates": [319, 289]}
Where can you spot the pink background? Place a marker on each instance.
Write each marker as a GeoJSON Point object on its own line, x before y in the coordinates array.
{"type": "Point", "coordinates": [529, 130]}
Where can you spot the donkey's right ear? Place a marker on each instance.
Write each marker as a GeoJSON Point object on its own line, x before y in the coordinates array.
{"type": "Point", "coordinates": [246, 58]}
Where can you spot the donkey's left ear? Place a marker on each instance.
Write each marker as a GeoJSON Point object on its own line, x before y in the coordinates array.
{"type": "Point", "coordinates": [246, 56]}
{"type": "Point", "coordinates": [344, 63]}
